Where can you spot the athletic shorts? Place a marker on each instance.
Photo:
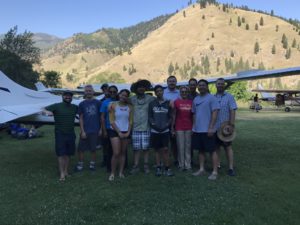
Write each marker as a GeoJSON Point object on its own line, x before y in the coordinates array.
{"type": "Point", "coordinates": [89, 143]}
{"type": "Point", "coordinates": [203, 143]}
{"type": "Point", "coordinates": [140, 140]}
{"type": "Point", "coordinates": [64, 143]}
{"type": "Point", "coordinates": [160, 140]}
{"type": "Point", "coordinates": [112, 134]}
{"type": "Point", "coordinates": [222, 143]}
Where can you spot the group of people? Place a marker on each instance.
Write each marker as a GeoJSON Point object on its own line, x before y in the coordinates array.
{"type": "Point", "coordinates": [181, 120]}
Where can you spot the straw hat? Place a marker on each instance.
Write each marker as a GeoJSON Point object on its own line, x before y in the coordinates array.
{"type": "Point", "coordinates": [224, 133]}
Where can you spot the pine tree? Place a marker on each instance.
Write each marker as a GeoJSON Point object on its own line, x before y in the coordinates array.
{"type": "Point", "coordinates": [243, 20]}
{"type": "Point", "coordinates": [232, 54]}
{"type": "Point", "coordinates": [239, 21]}
{"type": "Point", "coordinates": [170, 69]}
{"type": "Point", "coordinates": [256, 26]}
{"type": "Point", "coordinates": [203, 17]}
{"type": "Point", "coordinates": [261, 21]}
{"type": "Point", "coordinates": [247, 26]}
{"type": "Point", "coordinates": [283, 38]}
{"type": "Point", "coordinates": [184, 13]}
{"type": "Point", "coordinates": [273, 49]}
{"type": "Point", "coordinates": [212, 35]}
{"type": "Point", "coordinates": [230, 21]}
{"type": "Point", "coordinates": [256, 47]}
{"type": "Point", "coordinates": [294, 44]}
{"type": "Point", "coordinates": [277, 28]}
{"type": "Point", "coordinates": [288, 53]}
{"type": "Point", "coordinates": [193, 62]}
{"type": "Point", "coordinates": [272, 12]}
{"type": "Point", "coordinates": [212, 47]}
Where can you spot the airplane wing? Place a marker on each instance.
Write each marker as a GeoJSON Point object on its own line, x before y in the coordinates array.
{"type": "Point", "coordinates": [253, 75]}
{"type": "Point", "coordinates": [277, 91]}
{"type": "Point", "coordinates": [17, 101]}
{"type": "Point", "coordinates": [59, 91]}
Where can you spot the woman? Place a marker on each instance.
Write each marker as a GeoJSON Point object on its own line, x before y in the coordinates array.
{"type": "Point", "coordinates": [120, 116]}
{"type": "Point", "coordinates": [183, 122]}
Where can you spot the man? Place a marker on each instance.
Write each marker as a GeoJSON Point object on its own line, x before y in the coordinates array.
{"type": "Point", "coordinates": [227, 113]}
{"type": "Point", "coordinates": [160, 118]}
{"type": "Point", "coordinates": [105, 124]}
{"type": "Point", "coordinates": [141, 129]}
{"type": "Point", "coordinates": [105, 140]}
{"type": "Point", "coordinates": [171, 94]}
{"type": "Point", "coordinates": [64, 115]}
{"type": "Point", "coordinates": [205, 109]}
{"type": "Point", "coordinates": [192, 95]}
{"type": "Point", "coordinates": [89, 120]}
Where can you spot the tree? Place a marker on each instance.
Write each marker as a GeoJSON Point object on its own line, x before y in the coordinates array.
{"type": "Point", "coordinates": [239, 21]}
{"type": "Point", "coordinates": [184, 13]}
{"type": "Point", "coordinates": [256, 26]}
{"type": "Point", "coordinates": [273, 49]}
{"type": "Point", "coordinates": [272, 12]}
{"type": "Point", "coordinates": [288, 53]}
{"type": "Point", "coordinates": [212, 35]}
{"type": "Point", "coordinates": [230, 21]}
{"type": "Point", "coordinates": [70, 77]}
{"type": "Point", "coordinates": [52, 79]}
{"type": "Point", "coordinates": [247, 26]}
{"type": "Point", "coordinates": [277, 28]}
{"type": "Point", "coordinates": [294, 44]}
{"type": "Point", "coordinates": [17, 69]}
{"type": "Point", "coordinates": [256, 47]}
{"type": "Point", "coordinates": [261, 21]}
{"type": "Point", "coordinates": [239, 90]}
{"type": "Point", "coordinates": [21, 45]}
{"type": "Point", "coordinates": [212, 47]}
{"type": "Point", "coordinates": [232, 54]}
{"type": "Point", "coordinates": [171, 69]}
{"type": "Point", "coordinates": [243, 20]}
{"type": "Point", "coordinates": [203, 17]}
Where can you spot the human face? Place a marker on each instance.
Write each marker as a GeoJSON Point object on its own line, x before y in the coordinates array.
{"type": "Point", "coordinates": [183, 93]}
{"type": "Point", "coordinates": [171, 82]}
{"type": "Point", "coordinates": [89, 92]}
{"type": "Point", "coordinates": [140, 90]}
{"type": "Point", "coordinates": [123, 97]}
{"type": "Point", "coordinates": [202, 88]}
{"type": "Point", "coordinates": [113, 93]}
{"type": "Point", "coordinates": [192, 86]}
{"type": "Point", "coordinates": [220, 85]}
{"type": "Point", "coordinates": [159, 92]}
{"type": "Point", "coordinates": [67, 98]}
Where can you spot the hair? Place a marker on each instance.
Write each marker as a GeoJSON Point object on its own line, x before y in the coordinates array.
{"type": "Point", "coordinates": [203, 80]}
{"type": "Point", "coordinates": [170, 77]}
{"type": "Point", "coordinates": [89, 86]}
{"type": "Point", "coordinates": [182, 87]}
{"type": "Point", "coordinates": [157, 86]}
{"type": "Point", "coordinates": [125, 90]}
{"type": "Point", "coordinates": [193, 79]}
{"type": "Point", "coordinates": [220, 79]}
{"type": "Point", "coordinates": [113, 86]}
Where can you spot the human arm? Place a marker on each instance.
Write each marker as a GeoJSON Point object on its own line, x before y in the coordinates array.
{"type": "Point", "coordinates": [212, 122]}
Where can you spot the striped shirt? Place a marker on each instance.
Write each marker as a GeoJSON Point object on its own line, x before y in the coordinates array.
{"type": "Point", "coordinates": [227, 103]}
{"type": "Point", "coordinates": [64, 116]}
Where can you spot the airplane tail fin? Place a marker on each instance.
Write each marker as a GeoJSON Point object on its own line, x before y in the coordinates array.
{"type": "Point", "coordinates": [40, 86]}
{"type": "Point", "coordinates": [264, 95]}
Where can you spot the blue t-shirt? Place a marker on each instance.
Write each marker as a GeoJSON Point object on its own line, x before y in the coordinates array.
{"type": "Point", "coordinates": [91, 115]}
{"type": "Point", "coordinates": [171, 95]}
{"type": "Point", "coordinates": [202, 107]}
{"type": "Point", "coordinates": [104, 109]}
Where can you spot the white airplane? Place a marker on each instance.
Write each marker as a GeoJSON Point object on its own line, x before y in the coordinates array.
{"type": "Point", "coordinates": [25, 105]}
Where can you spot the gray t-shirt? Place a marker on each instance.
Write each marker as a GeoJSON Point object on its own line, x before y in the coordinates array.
{"type": "Point", "coordinates": [140, 112]}
{"type": "Point", "coordinates": [202, 107]}
{"type": "Point", "coordinates": [91, 115]}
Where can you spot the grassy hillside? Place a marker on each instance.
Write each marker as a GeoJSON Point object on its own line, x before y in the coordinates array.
{"type": "Point", "coordinates": [193, 35]}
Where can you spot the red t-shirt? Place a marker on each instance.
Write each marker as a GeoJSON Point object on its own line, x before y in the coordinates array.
{"type": "Point", "coordinates": [184, 116]}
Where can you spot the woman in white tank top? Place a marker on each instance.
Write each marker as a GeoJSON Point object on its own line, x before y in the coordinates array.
{"type": "Point", "coordinates": [120, 116]}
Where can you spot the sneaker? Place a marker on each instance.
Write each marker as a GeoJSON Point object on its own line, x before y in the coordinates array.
{"type": "Point", "coordinates": [92, 166]}
{"type": "Point", "coordinates": [158, 172]}
{"type": "Point", "coordinates": [78, 167]}
{"type": "Point", "coordinates": [111, 177]}
{"type": "Point", "coordinates": [231, 172]}
{"type": "Point", "coordinates": [213, 176]}
{"type": "Point", "coordinates": [134, 170]}
{"type": "Point", "coordinates": [199, 173]}
{"type": "Point", "coordinates": [146, 169]}
{"type": "Point", "coordinates": [169, 173]}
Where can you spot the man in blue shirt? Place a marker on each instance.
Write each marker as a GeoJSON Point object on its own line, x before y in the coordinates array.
{"type": "Point", "coordinates": [89, 120]}
{"type": "Point", "coordinates": [205, 109]}
{"type": "Point", "coordinates": [227, 113]}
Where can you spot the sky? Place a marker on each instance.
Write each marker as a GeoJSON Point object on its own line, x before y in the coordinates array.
{"type": "Point", "coordinates": [63, 18]}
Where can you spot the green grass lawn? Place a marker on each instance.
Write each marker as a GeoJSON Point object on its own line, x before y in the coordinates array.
{"type": "Point", "coordinates": [266, 189]}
